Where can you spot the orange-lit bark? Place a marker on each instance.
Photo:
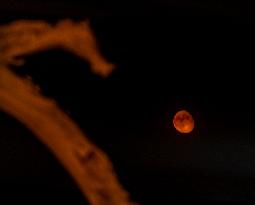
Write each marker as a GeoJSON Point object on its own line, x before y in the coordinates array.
{"type": "Point", "coordinates": [87, 164]}
{"type": "Point", "coordinates": [22, 38]}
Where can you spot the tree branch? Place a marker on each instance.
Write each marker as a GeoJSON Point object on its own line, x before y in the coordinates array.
{"type": "Point", "coordinates": [88, 165]}
{"type": "Point", "coordinates": [22, 38]}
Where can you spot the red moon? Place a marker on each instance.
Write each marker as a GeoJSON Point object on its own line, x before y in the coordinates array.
{"type": "Point", "coordinates": [183, 122]}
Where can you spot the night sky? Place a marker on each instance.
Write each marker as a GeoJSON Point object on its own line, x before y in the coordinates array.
{"type": "Point", "coordinates": [169, 56]}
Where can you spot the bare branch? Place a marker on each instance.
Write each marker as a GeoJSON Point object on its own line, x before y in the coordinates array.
{"type": "Point", "coordinates": [23, 38]}
{"type": "Point", "coordinates": [88, 165]}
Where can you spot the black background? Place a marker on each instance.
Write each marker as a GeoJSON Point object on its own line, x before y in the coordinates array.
{"type": "Point", "coordinates": [169, 55]}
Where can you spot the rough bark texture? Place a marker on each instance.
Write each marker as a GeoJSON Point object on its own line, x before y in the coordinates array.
{"type": "Point", "coordinates": [87, 164]}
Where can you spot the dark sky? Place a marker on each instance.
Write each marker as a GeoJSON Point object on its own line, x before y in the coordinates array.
{"type": "Point", "coordinates": [234, 8]}
{"type": "Point", "coordinates": [172, 56]}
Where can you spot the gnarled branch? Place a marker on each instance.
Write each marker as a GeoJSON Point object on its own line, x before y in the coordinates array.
{"type": "Point", "coordinates": [24, 37]}
{"type": "Point", "coordinates": [87, 164]}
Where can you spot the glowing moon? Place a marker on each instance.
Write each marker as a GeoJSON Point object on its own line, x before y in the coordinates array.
{"type": "Point", "coordinates": [183, 122]}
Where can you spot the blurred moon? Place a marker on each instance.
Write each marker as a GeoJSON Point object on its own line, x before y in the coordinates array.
{"type": "Point", "coordinates": [183, 122]}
